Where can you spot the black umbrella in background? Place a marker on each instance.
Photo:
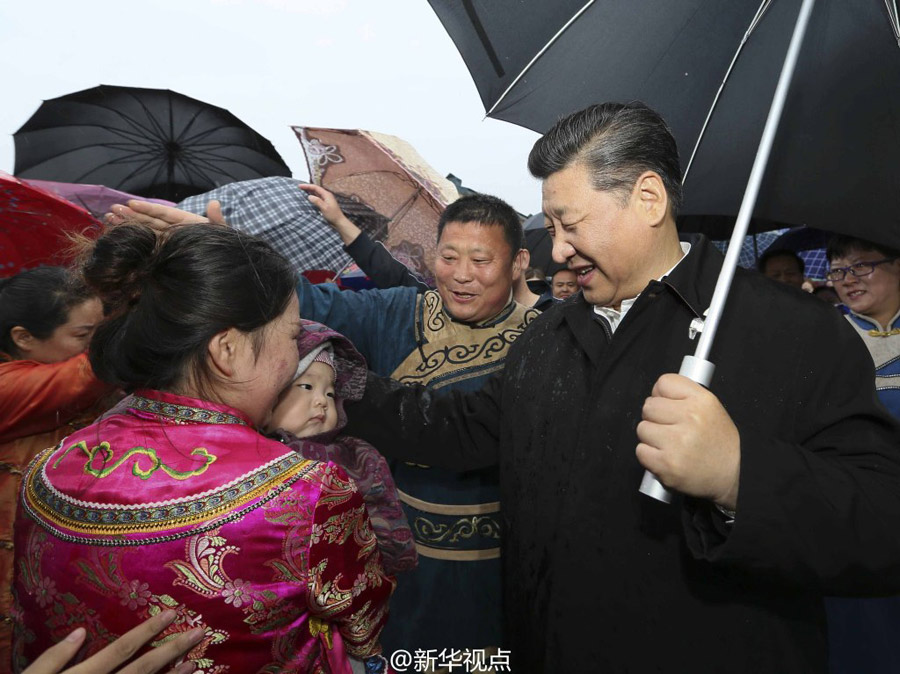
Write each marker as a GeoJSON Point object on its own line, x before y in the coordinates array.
{"type": "Point", "coordinates": [835, 158]}
{"type": "Point", "coordinates": [151, 142]}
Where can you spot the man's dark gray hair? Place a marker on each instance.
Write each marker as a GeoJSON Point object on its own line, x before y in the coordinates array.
{"type": "Point", "coordinates": [616, 142]}
{"type": "Point", "coordinates": [484, 209]}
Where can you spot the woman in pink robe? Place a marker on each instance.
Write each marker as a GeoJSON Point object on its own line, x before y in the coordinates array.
{"type": "Point", "coordinates": [175, 501]}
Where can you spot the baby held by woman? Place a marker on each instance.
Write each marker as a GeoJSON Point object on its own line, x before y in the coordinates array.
{"type": "Point", "coordinates": [309, 416]}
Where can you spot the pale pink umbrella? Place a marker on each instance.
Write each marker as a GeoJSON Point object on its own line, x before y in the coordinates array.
{"type": "Point", "coordinates": [390, 177]}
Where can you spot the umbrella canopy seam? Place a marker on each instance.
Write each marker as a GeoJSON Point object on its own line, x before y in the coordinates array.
{"type": "Point", "coordinates": [893, 17]}
{"type": "Point", "coordinates": [712, 108]}
{"type": "Point", "coordinates": [538, 55]}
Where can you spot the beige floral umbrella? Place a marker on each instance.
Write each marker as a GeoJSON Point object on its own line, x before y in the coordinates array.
{"type": "Point", "coordinates": [389, 176]}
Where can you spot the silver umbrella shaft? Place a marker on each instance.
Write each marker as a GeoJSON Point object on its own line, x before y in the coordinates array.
{"type": "Point", "coordinates": [699, 364]}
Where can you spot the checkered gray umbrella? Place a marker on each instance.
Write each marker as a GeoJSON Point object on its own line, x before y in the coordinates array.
{"type": "Point", "coordinates": [276, 210]}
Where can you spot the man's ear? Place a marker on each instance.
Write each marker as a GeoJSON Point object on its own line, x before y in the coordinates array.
{"type": "Point", "coordinates": [224, 352]}
{"type": "Point", "coordinates": [23, 339]}
{"type": "Point", "coordinates": [651, 198]}
{"type": "Point", "coordinates": [521, 262]}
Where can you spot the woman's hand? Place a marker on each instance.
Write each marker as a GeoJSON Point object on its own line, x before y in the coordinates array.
{"type": "Point", "coordinates": [161, 217]}
{"type": "Point", "coordinates": [122, 649]}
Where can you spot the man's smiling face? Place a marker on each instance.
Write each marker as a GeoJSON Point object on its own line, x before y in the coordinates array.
{"type": "Point", "coordinates": [473, 270]}
{"type": "Point", "coordinates": [600, 238]}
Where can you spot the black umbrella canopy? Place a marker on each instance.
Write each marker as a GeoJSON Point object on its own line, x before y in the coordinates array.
{"type": "Point", "coordinates": [836, 154]}
{"type": "Point", "coordinates": [151, 142]}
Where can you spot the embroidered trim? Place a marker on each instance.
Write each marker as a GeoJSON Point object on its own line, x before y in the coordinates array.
{"type": "Point", "coordinates": [100, 521]}
{"type": "Point", "coordinates": [889, 362]}
{"type": "Point", "coordinates": [152, 504]}
{"type": "Point", "coordinates": [431, 317]}
{"type": "Point", "coordinates": [117, 541]}
{"type": "Point", "coordinates": [448, 352]}
{"type": "Point", "coordinates": [184, 412]}
{"type": "Point", "coordinates": [448, 533]}
{"type": "Point", "coordinates": [884, 333]}
{"type": "Point", "coordinates": [136, 470]}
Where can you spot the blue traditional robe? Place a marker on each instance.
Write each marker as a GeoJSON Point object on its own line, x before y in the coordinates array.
{"type": "Point", "coordinates": [452, 600]}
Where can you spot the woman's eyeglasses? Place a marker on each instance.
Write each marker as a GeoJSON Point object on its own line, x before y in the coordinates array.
{"type": "Point", "coordinates": [858, 269]}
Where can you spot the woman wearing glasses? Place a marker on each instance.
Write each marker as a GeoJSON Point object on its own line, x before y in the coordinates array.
{"type": "Point", "coordinates": [866, 276]}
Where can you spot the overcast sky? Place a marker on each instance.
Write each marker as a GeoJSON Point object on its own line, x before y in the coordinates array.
{"type": "Point", "coordinates": [382, 66]}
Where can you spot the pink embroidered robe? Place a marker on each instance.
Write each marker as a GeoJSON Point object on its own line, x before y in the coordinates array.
{"type": "Point", "coordinates": [179, 503]}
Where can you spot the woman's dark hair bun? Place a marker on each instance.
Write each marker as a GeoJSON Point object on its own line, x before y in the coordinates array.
{"type": "Point", "coordinates": [167, 293]}
{"type": "Point", "coordinates": [120, 263]}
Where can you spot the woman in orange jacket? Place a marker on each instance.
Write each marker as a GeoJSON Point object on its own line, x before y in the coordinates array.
{"type": "Point", "coordinates": [46, 387]}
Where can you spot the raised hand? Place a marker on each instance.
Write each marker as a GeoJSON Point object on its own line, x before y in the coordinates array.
{"type": "Point", "coordinates": [331, 211]}
{"type": "Point", "coordinates": [162, 217]}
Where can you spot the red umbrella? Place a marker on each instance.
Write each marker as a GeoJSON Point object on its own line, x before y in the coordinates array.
{"type": "Point", "coordinates": [34, 225]}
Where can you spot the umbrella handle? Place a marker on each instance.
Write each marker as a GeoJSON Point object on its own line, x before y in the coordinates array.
{"type": "Point", "coordinates": [696, 367]}
{"type": "Point", "coordinates": [700, 371]}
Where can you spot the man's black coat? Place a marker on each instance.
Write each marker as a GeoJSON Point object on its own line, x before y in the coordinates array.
{"type": "Point", "coordinates": [599, 578]}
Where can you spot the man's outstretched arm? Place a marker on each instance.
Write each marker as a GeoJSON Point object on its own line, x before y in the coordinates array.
{"type": "Point", "coordinates": [453, 430]}
{"type": "Point", "coordinates": [373, 258]}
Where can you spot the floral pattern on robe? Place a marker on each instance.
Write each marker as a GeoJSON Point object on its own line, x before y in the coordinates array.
{"type": "Point", "coordinates": [176, 503]}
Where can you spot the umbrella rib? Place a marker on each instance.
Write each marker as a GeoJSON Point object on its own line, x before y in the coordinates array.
{"type": "Point", "coordinates": [126, 133]}
{"type": "Point", "coordinates": [539, 54]}
{"type": "Point", "coordinates": [195, 166]}
{"type": "Point", "coordinates": [156, 177]}
{"type": "Point", "coordinates": [200, 166]}
{"type": "Point", "coordinates": [78, 149]}
{"type": "Point", "coordinates": [205, 132]}
{"type": "Point", "coordinates": [402, 210]}
{"type": "Point", "coordinates": [199, 135]}
{"type": "Point", "coordinates": [894, 17]}
{"type": "Point", "coordinates": [194, 157]}
{"type": "Point", "coordinates": [134, 135]}
{"type": "Point", "coordinates": [121, 181]}
{"type": "Point", "coordinates": [139, 129]}
{"type": "Point", "coordinates": [136, 125]}
{"type": "Point", "coordinates": [756, 19]}
{"type": "Point", "coordinates": [210, 147]}
{"type": "Point", "coordinates": [155, 126]}
{"type": "Point", "coordinates": [187, 127]}
{"type": "Point", "coordinates": [483, 37]}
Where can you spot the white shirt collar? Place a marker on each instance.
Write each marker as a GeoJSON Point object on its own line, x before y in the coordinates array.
{"type": "Point", "coordinates": [614, 317]}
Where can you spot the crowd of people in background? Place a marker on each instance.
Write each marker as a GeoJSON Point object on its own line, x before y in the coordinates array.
{"type": "Point", "coordinates": [202, 450]}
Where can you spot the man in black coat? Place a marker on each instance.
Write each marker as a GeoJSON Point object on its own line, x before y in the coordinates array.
{"type": "Point", "coordinates": [786, 472]}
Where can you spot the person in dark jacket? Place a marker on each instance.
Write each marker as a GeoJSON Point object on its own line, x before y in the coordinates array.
{"type": "Point", "coordinates": [786, 475]}
{"type": "Point", "coordinates": [564, 283]}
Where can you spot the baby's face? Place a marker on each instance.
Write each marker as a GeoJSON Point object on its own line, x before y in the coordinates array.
{"type": "Point", "coordinates": [306, 407]}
